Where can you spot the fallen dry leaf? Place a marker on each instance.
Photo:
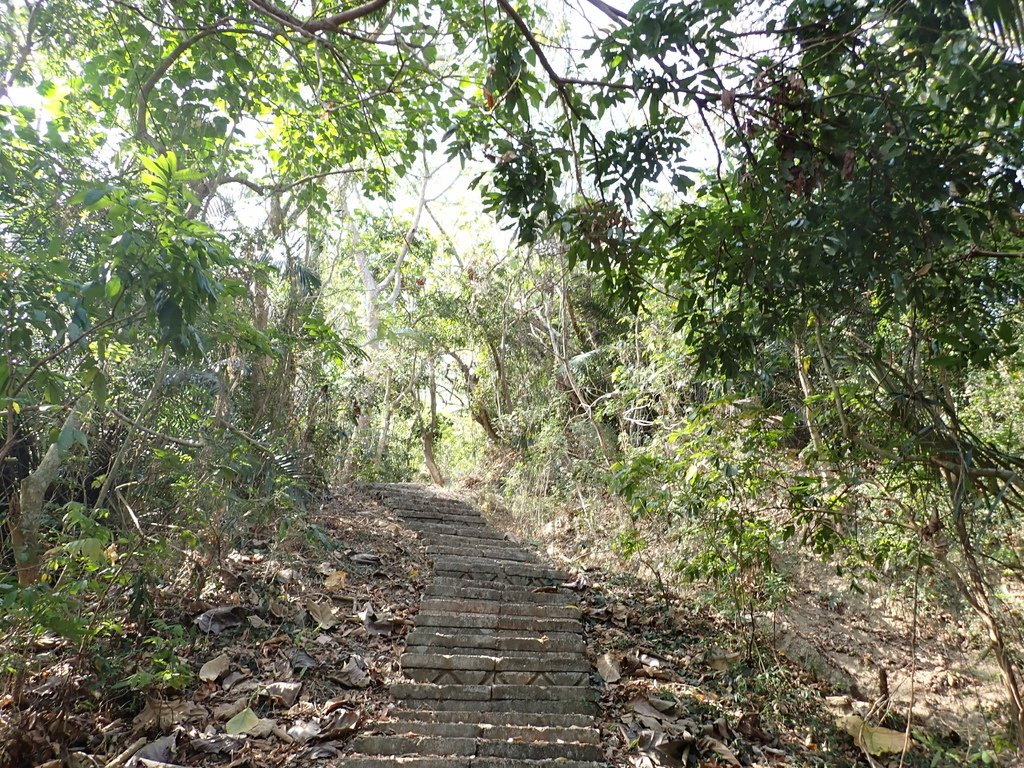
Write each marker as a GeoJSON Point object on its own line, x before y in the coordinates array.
{"type": "Point", "coordinates": [720, 660]}
{"type": "Point", "coordinates": [343, 723]}
{"type": "Point", "coordinates": [227, 711]}
{"type": "Point", "coordinates": [301, 660]}
{"type": "Point", "coordinates": [214, 743]}
{"type": "Point", "coordinates": [164, 715]}
{"type": "Point", "coordinates": [708, 744]}
{"type": "Point", "coordinates": [162, 750]}
{"type": "Point", "coordinates": [336, 580]}
{"type": "Point", "coordinates": [284, 693]}
{"type": "Point", "coordinates": [282, 610]}
{"type": "Point", "coordinates": [374, 625]}
{"type": "Point", "coordinates": [353, 674]}
{"type": "Point", "coordinates": [663, 749]}
{"type": "Point", "coordinates": [303, 731]}
{"type": "Point", "coordinates": [365, 558]}
{"type": "Point", "coordinates": [578, 584]}
{"type": "Point", "coordinates": [214, 668]}
{"type": "Point", "coordinates": [608, 668]}
{"type": "Point", "coordinates": [216, 620]}
{"type": "Point", "coordinates": [645, 708]}
{"type": "Point", "coordinates": [323, 614]}
{"type": "Point", "coordinates": [874, 740]}
{"type": "Point", "coordinates": [232, 679]}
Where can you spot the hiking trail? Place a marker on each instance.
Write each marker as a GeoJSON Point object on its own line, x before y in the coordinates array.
{"type": "Point", "coordinates": [495, 674]}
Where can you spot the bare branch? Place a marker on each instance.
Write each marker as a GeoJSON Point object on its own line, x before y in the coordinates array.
{"type": "Point", "coordinates": [259, 188]}
{"type": "Point", "coordinates": [182, 441]}
{"type": "Point", "coordinates": [620, 17]}
{"type": "Point", "coordinates": [325, 24]}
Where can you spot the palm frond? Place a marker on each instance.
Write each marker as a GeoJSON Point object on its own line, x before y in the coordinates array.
{"type": "Point", "coordinates": [1003, 18]}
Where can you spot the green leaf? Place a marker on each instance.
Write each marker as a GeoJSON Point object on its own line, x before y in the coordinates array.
{"type": "Point", "coordinates": [114, 287]}
{"type": "Point", "coordinates": [946, 361]}
{"type": "Point", "coordinates": [243, 722]}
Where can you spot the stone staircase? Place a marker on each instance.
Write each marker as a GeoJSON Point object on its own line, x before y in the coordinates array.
{"type": "Point", "coordinates": [495, 666]}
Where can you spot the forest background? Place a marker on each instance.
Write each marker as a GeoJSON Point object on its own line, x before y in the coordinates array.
{"type": "Point", "coordinates": [724, 288]}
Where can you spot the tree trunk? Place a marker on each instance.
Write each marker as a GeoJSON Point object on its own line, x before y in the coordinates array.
{"type": "Point", "coordinates": [430, 433]}
{"type": "Point", "coordinates": [976, 592]}
{"type": "Point", "coordinates": [504, 395]}
{"type": "Point", "coordinates": [115, 466]}
{"type": "Point", "coordinates": [385, 426]}
{"type": "Point", "coordinates": [26, 519]}
{"type": "Point", "coordinates": [808, 392]}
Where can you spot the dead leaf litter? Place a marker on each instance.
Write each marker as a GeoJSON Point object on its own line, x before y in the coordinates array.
{"type": "Point", "coordinates": [285, 653]}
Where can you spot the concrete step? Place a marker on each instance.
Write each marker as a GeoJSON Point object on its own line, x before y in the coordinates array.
{"type": "Point", "coordinates": [506, 706]}
{"type": "Point", "coordinates": [424, 526]}
{"type": "Point", "coordinates": [560, 642]}
{"type": "Point", "coordinates": [565, 662]}
{"type": "Point", "coordinates": [513, 750]}
{"type": "Point", "coordinates": [401, 746]}
{"type": "Point", "coordinates": [461, 591]}
{"type": "Point", "coordinates": [408, 745]}
{"type": "Point", "coordinates": [495, 677]}
{"type": "Point", "coordinates": [520, 694]}
{"type": "Point", "coordinates": [426, 500]}
{"type": "Point", "coordinates": [509, 553]}
{"type": "Point", "coordinates": [484, 537]}
{"type": "Point", "coordinates": [492, 579]}
{"type": "Point", "coordinates": [468, 563]}
{"type": "Point", "coordinates": [405, 762]}
{"type": "Point", "coordinates": [441, 518]}
{"type": "Point", "coordinates": [499, 608]}
{"type": "Point", "coordinates": [470, 651]}
{"type": "Point", "coordinates": [492, 621]}
{"type": "Point", "coordinates": [496, 719]}
{"type": "Point", "coordinates": [518, 733]}
{"type": "Point", "coordinates": [460, 762]}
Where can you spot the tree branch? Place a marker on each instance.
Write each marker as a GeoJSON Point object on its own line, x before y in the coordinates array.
{"type": "Point", "coordinates": [325, 24]}
{"type": "Point", "coordinates": [182, 441]}
{"type": "Point", "coordinates": [619, 17]}
{"type": "Point", "coordinates": [142, 100]}
{"type": "Point", "coordinates": [558, 81]}
{"type": "Point", "coordinates": [259, 188]}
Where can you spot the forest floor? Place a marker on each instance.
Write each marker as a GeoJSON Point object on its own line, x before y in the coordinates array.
{"type": "Point", "coordinates": [289, 647]}
{"type": "Point", "coordinates": [824, 652]}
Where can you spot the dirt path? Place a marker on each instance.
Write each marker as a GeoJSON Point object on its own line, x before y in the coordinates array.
{"type": "Point", "coordinates": [495, 666]}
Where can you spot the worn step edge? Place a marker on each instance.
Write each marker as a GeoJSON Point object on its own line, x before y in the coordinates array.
{"type": "Point", "coordinates": [460, 762]}
{"type": "Point", "coordinates": [513, 594]}
{"type": "Point", "coordinates": [509, 554]}
{"type": "Point", "coordinates": [497, 622]}
{"type": "Point", "coordinates": [499, 608]}
{"type": "Point", "coordinates": [464, 645]}
{"type": "Point", "coordinates": [465, 562]}
{"type": "Point", "coordinates": [506, 653]}
{"type": "Point", "coordinates": [401, 746]}
{"type": "Point", "coordinates": [522, 706]}
{"type": "Point", "coordinates": [518, 733]}
{"type": "Point", "coordinates": [495, 677]}
{"type": "Point", "coordinates": [409, 692]}
{"type": "Point", "coordinates": [503, 719]}
{"type": "Point", "coordinates": [565, 662]}
{"type": "Point", "coordinates": [449, 746]}
{"type": "Point", "coordinates": [405, 762]}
